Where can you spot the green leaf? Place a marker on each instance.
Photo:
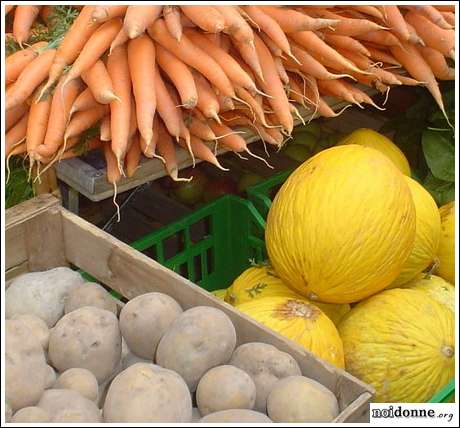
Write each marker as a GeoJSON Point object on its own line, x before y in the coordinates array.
{"type": "Point", "coordinates": [442, 191]}
{"type": "Point", "coordinates": [439, 153]}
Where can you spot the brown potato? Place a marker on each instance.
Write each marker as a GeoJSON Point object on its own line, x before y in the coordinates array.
{"type": "Point", "coordinates": [90, 294]}
{"type": "Point", "coordinates": [31, 415]}
{"type": "Point", "coordinates": [80, 380]}
{"type": "Point", "coordinates": [236, 416]}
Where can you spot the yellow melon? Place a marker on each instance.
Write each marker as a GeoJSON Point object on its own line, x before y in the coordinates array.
{"type": "Point", "coordinates": [341, 226]}
{"type": "Point", "coordinates": [427, 233]}
{"type": "Point", "coordinates": [220, 294]}
{"type": "Point", "coordinates": [436, 287]}
{"type": "Point", "coordinates": [401, 342]}
{"type": "Point", "coordinates": [370, 138]}
{"type": "Point", "coordinates": [446, 249]}
{"type": "Point", "coordinates": [261, 281]}
{"type": "Point", "coordinates": [300, 321]}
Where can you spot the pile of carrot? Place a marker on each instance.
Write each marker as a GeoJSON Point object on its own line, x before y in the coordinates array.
{"type": "Point", "coordinates": [154, 78]}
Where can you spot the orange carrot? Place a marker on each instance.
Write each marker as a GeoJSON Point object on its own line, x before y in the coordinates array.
{"type": "Point", "coordinates": [98, 80]}
{"type": "Point", "coordinates": [281, 71]}
{"type": "Point", "coordinates": [24, 17]}
{"type": "Point", "coordinates": [15, 63]}
{"type": "Point", "coordinates": [113, 171]}
{"type": "Point", "coordinates": [225, 103]}
{"type": "Point", "coordinates": [257, 110]}
{"type": "Point", "coordinates": [368, 10]}
{"type": "Point", "coordinates": [70, 47]}
{"type": "Point", "coordinates": [97, 44]}
{"type": "Point", "coordinates": [275, 50]}
{"type": "Point", "coordinates": [171, 15]}
{"type": "Point", "coordinates": [432, 14]}
{"type": "Point", "coordinates": [292, 21]}
{"type": "Point", "coordinates": [84, 120]}
{"type": "Point", "coordinates": [208, 102]}
{"type": "Point", "coordinates": [437, 63]}
{"type": "Point", "coordinates": [141, 60]}
{"type": "Point", "coordinates": [133, 156]}
{"type": "Point", "coordinates": [18, 149]}
{"type": "Point", "coordinates": [9, 8]}
{"type": "Point", "coordinates": [38, 122]}
{"type": "Point", "coordinates": [120, 111]}
{"type": "Point", "coordinates": [192, 55]}
{"type": "Point", "coordinates": [274, 87]}
{"type": "Point", "coordinates": [202, 151]}
{"type": "Point", "coordinates": [120, 38]}
{"type": "Point", "coordinates": [208, 18]}
{"type": "Point", "coordinates": [61, 103]}
{"type": "Point", "coordinates": [336, 89]}
{"type": "Point", "coordinates": [138, 18]}
{"type": "Point", "coordinates": [149, 151]}
{"type": "Point", "coordinates": [104, 133]}
{"type": "Point", "coordinates": [199, 129]}
{"type": "Point", "coordinates": [13, 115]}
{"type": "Point", "coordinates": [449, 17]}
{"type": "Point", "coordinates": [132, 120]}
{"type": "Point", "coordinates": [180, 75]}
{"type": "Point", "coordinates": [105, 13]}
{"type": "Point", "coordinates": [433, 36]}
{"type": "Point", "coordinates": [385, 57]}
{"type": "Point", "coordinates": [345, 42]}
{"type": "Point", "coordinates": [249, 55]}
{"type": "Point", "coordinates": [73, 151]}
{"type": "Point", "coordinates": [84, 101]}
{"type": "Point", "coordinates": [167, 150]}
{"type": "Point", "coordinates": [445, 7]}
{"type": "Point", "coordinates": [16, 134]}
{"type": "Point", "coordinates": [235, 25]}
{"type": "Point", "coordinates": [33, 74]}
{"type": "Point", "coordinates": [231, 67]}
{"type": "Point", "coordinates": [380, 37]}
{"type": "Point", "coordinates": [396, 22]}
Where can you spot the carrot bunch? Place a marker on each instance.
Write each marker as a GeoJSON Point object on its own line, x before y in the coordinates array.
{"type": "Point", "coordinates": [154, 78]}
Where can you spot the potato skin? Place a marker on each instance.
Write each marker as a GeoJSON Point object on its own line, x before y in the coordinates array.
{"type": "Point", "coordinates": [266, 365]}
{"type": "Point", "coordinates": [37, 326]}
{"type": "Point", "coordinates": [90, 294]}
{"type": "Point", "coordinates": [88, 338]}
{"type": "Point", "coordinates": [25, 366]}
{"type": "Point", "coordinates": [147, 393]}
{"type": "Point", "coordinates": [80, 380]}
{"type": "Point", "coordinates": [30, 415]}
{"type": "Point", "coordinates": [236, 415]}
{"type": "Point", "coordinates": [223, 388]}
{"type": "Point", "coordinates": [201, 338]}
{"type": "Point", "coordinates": [298, 399]}
{"type": "Point", "coordinates": [144, 320]}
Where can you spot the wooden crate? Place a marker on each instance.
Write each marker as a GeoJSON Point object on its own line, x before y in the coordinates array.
{"type": "Point", "coordinates": [40, 234]}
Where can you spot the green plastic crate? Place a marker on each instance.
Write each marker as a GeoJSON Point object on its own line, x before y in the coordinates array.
{"type": "Point", "coordinates": [446, 395]}
{"type": "Point", "coordinates": [263, 193]}
{"type": "Point", "coordinates": [212, 245]}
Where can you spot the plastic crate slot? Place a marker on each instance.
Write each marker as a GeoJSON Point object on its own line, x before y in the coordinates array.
{"type": "Point", "coordinates": [151, 252]}
{"type": "Point", "coordinates": [183, 270]}
{"type": "Point", "coordinates": [198, 271]}
{"type": "Point", "coordinates": [174, 244]}
{"type": "Point", "coordinates": [201, 229]}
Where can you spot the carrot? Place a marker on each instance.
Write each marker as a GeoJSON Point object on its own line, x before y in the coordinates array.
{"type": "Point", "coordinates": [269, 27]}
{"type": "Point", "coordinates": [193, 56]}
{"type": "Point", "coordinates": [180, 75]}
{"type": "Point", "coordinates": [345, 42]}
{"type": "Point", "coordinates": [70, 47]}
{"type": "Point", "coordinates": [432, 35]}
{"type": "Point", "coordinates": [325, 110]}
{"type": "Point", "coordinates": [73, 151]}
{"type": "Point", "coordinates": [274, 87]}
{"type": "Point", "coordinates": [236, 26]}
{"type": "Point", "coordinates": [203, 152]}
{"type": "Point", "coordinates": [61, 103]}
{"type": "Point", "coordinates": [360, 96]}
{"type": "Point", "coordinates": [9, 8]}
{"type": "Point", "coordinates": [141, 60]}
{"type": "Point", "coordinates": [380, 37]}
{"type": "Point", "coordinates": [385, 57]}
{"type": "Point", "coordinates": [97, 44]}
{"type": "Point", "coordinates": [249, 55]}
{"type": "Point", "coordinates": [15, 63]}
{"type": "Point", "coordinates": [132, 119]}
{"type": "Point", "coordinates": [24, 17]}
{"type": "Point", "coordinates": [38, 122]}
{"type": "Point", "coordinates": [104, 133]}
{"type": "Point", "coordinates": [445, 7]}
{"type": "Point", "coordinates": [84, 120]}
{"type": "Point", "coordinates": [281, 71]}
{"type": "Point", "coordinates": [231, 67]}
{"type": "Point", "coordinates": [84, 101]}
{"type": "Point", "coordinates": [322, 52]}
{"type": "Point", "coordinates": [292, 21]}
{"type": "Point", "coordinates": [396, 22]}
{"type": "Point", "coordinates": [16, 134]}
{"type": "Point", "coordinates": [18, 149]}
{"type": "Point", "coordinates": [431, 14]}
{"type": "Point", "coordinates": [208, 18]}
{"type": "Point", "coordinates": [113, 171]}
{"type": "Point", "coordinates": [138, 18]}
{"type": "Point", "coordinates": [105, 13]}
{"type": "Point", "coordinates": [199, 129]}
{"type": "Point", "coordinates": [120, 38]}
{"type": "Point", "coordinates": [98, 80]}
{"type": "Point", "coordinates": [416, 66]}
{"type": "Point", "coordinates": [120, 110]}
{"type": "Point", "coordinates": [149, 151]}
{"type": "Point", "coordinates": [449, 17]}
{"type": "Point", "coordinates": [208, 102]}
{"type": "Point", "coordinates": [167, 150]}
{"type": "Point", "coordinates": [133, 156]}
{"type": "Point", "coordinates": [225, 103]}
{"type": "Point", "coordinates": [256, 108]}
{"type": "Point", "coordinates": [30, 78]}
{"type": "Point", "coordinates": [275, 50]}
{"type": "Point", "coordinates": [367, 10]}
{"type": "Point", "coordinates": [336, 89]}
{"type": "Point", "coordinates": [437, 63]}
{"type": "Point", "coordinates": [171, 15]}
{"type": "Point", "coordinates": [13, 115]}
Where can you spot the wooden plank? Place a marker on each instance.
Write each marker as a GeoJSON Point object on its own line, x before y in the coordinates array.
{"type": "Point", "coordinates": [15, 271]}
{"type": "Point", "coordinates": [131, 273]}
{"type": "Point", "coordinates": [28, 209]}
{"type": "Point", "coordinates": [15, 243]}
{"type": "Point", "coordinates": [357, 412]}
{"type": "Point", "coordinates": [76, 170]}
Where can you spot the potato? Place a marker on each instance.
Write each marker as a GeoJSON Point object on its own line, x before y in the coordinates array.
{"type": "Point", "coordinates": [80, 380]}
{"type": "Point", "coordinates": [236, 416]}
{"type": "Point", "coordinates": [31, 415]}
{"type": "Point", "coordinates": [37, 326]}
{"type": "Point", "coordinates": [131, 359]}
{"type": "Point", "coordinates": [50, 377]}
{"type": "Point", "coordinates": [41, 293]}
{"type": "Point", "coordinates": [145, 393]}
{"type": "Point", "coordinates": [296, 399]}
{"type": "Point", "coordinates": [8, 412]}
{"type": "Point", "coordinates": [223, 388]}
{"type": "Point", "coordinates": [65, 405]}
{"type": "Point", "coordinates": [144, 320]}
{"type": "Point", "coordinates": [87, 338]}
{"type": "Point", "coordinates": [25, 366]}
{"type": "Point", "coordinates": [201, 338]}
{"type": "Point", "coordinates": [90, 294]}
{"type": "Point", "coordinates": [196, 416]}
{"type": "Point", "coordinates": [266, 365]}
